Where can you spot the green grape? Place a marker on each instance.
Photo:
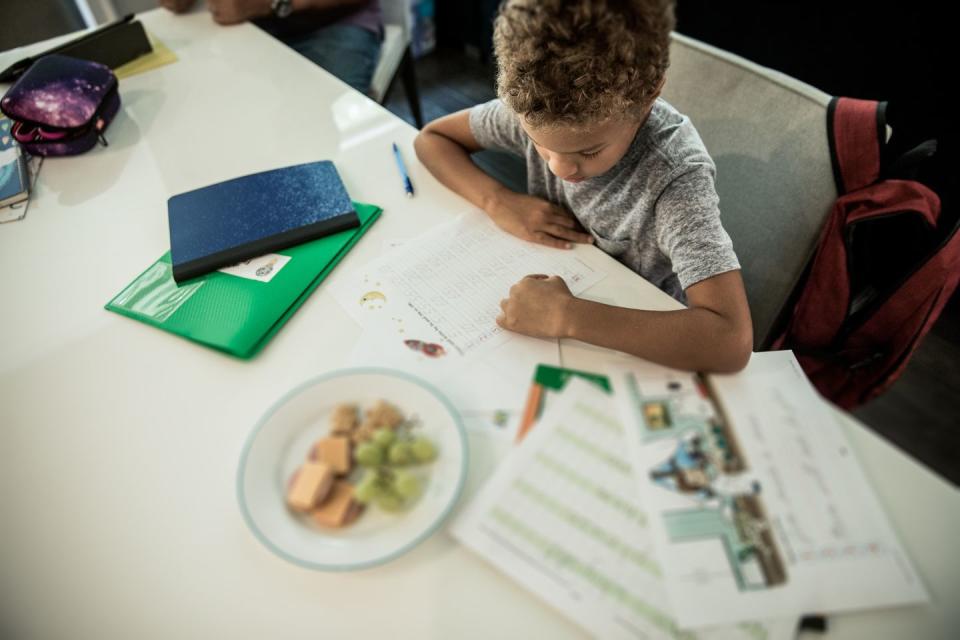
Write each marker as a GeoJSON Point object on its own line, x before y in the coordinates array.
{"type": "Point", "coordinates": [400, 453]}
{"type": "Point", "coordinates": [369, 454]}
{"type": "Point", "coordinates": [407, 485]}
{"type": "Point", "coordinates": [389, 501]}
{"type": "Point", "coordinates": [366, 492]}
{"type": "Point", "coordinates": [384, 437]}
{"type": "Point", "coordinates": [368, 487]}
{"type": "Point", "coordinates": [423, 450]}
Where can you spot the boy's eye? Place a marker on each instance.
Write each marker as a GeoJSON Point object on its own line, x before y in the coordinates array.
{"type": "Point", "coordinates": [592, 154]}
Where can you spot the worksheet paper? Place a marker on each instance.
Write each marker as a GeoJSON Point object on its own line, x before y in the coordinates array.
{"type": "Point", "coordinates": [495, 379]}
{"type": "Point", "coordinates": [451, 280]}
{"type": "Point", "coordinates": [561, 517]}
{"type": "Point", "coordinates": [429, 306]}
{"type": "Point", "coordinates": [756, 501]}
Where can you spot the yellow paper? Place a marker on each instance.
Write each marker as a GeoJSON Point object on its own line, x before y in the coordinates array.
{"type": "Point", "coordinates": [160, 56]}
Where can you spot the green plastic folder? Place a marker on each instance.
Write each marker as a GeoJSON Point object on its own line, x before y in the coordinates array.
{"type": "Point", "coordinates": [549, 379]}
{"type": "Point", "coordinates": [231, 313]}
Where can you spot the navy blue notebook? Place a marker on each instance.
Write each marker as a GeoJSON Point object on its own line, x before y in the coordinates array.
{"type": "Point", "coordinates": [246, 217]}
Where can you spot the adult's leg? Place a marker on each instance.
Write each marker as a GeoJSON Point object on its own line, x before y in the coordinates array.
{"type": "Point", "coordinates": [347, 51]}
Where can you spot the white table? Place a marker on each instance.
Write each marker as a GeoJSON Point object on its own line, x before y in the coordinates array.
{"type": "Point", "coordinates": [119, 443]}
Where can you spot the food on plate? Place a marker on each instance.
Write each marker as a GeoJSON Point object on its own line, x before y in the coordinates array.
{"type": "Point", "coordinates": [368, 454]}
{"type": "Point", "coordinates": [400, 453]}
{"type": "Point", "coordinates": [309, 486]}
{"type": "Point", "coordinates": [344, 420]}
{"type": "Point", "coordinates": [334, 451]}
{"type": "Point", "coordinates": [383, 414]}
{"type": "Point", "coordinates": [388, 481]}
{"type": "Point", "coordinates": [338, 507]}
{"type": "Point", "coordinates": [423, 450]}
{"type": "Point", "coordinates": [389, 457]}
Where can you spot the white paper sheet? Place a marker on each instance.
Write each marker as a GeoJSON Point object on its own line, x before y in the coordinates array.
{"type": "Point", "coordinates": [500, 424]}
{"type": "Point", "coordinates": [429, 306]}
{"type": "Point", "coordinates": [760, 506]}
{"type": "Point", "coordinates": [452, 279]}
{"type": "Point", "coordinates": [561, 517]}
{"type": "Point", "coordinates": [496, 379]}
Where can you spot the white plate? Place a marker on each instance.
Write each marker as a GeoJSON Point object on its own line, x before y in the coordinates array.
{"type": "Point", "coordinates": [280, 442]}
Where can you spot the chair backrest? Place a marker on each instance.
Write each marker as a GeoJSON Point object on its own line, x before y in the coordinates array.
{"type": "Point", "coordinates": [397, 31]}
{"type": "Point", "coordinates": [767, 133]}
{"type": "Point", "coordinates": [397, 12]}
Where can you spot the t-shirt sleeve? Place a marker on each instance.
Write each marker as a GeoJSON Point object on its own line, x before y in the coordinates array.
{"type": "Point", "coordinates": [495, 126]}
{"type": "Point", "coordinates": [688, 227]}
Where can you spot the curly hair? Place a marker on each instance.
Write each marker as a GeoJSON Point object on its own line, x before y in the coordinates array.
{"type": "Point", "coordinates": [581, 61]}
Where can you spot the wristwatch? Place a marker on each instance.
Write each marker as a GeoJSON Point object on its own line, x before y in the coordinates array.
{"type": "Point", "coordinates": [281, 8]}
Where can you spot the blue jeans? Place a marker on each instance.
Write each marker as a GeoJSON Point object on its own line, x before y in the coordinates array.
{"type": "Point", "coordinates": [347, 51]}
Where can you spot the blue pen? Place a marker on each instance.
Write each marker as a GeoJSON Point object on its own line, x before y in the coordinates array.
{"type": "Point", "coordinates": [407, 185]}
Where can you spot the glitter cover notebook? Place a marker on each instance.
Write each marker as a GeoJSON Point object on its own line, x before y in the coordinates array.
{"type": "Point", "coordinates": [239, 219]}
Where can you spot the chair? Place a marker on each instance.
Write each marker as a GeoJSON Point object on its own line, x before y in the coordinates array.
{"type": "Point", "coordinates": [767, 134]}
{"type": "Point", "coordinates": [396, 56]}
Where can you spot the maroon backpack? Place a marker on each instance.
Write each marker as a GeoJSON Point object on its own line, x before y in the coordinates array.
{"type": "Point", "coordinates": [886, 263]}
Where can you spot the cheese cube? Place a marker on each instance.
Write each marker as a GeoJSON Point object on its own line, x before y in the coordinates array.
{"type": "Point", "coordinates": [335, 510]}
{"type": "Point", "coordinates": [334, 451]}
{"type": "Point", "coordinates": [309, 486]}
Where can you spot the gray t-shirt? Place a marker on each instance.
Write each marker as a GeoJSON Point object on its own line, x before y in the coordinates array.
{"type": "Point", "coordinates": [656, 210]}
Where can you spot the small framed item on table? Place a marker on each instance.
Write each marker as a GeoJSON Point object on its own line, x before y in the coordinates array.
{"type": "Point", "coordinates": [14, 176]}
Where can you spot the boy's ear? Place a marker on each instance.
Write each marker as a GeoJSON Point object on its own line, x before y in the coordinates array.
{"type": "Point", "coordinates": [656, 94]}
{"type": "Point", "coordinates": [663, 80]}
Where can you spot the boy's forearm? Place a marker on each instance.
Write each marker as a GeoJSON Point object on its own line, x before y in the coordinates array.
{"type": "Point", "coordinates": [693, 339]}
{"type": "Point", "coordinates": [450, 163]}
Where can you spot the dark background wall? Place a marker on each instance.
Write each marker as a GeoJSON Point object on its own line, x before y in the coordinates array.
{"type": "Point", "coordinates": [882, 51]}
{"type": "Point", "coordinates": [863, 50]}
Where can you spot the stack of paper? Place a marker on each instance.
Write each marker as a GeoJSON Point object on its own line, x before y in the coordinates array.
{"type": "Point", "coordinates": [562, 517]}
{"type": "Point", "coordinates": [757, 502]}
{"type": "Point", "coordinates": [680, 519]}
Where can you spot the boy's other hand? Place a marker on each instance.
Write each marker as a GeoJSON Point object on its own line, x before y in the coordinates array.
{"type": "Point", "coordinates": [537, 220]}
{"type": "Point", "coordinates": [538, 306]}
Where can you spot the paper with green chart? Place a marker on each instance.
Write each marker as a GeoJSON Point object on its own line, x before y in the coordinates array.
{"type": "Point", "coordinates": [238, 309]}
{"type": "Point", "coordinates": [562, 517]}
{"type": "Point", "coordinates": [755, 498]}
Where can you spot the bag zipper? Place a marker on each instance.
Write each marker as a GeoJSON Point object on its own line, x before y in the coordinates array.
{"type": "Point", "coordinates": [73, 132]}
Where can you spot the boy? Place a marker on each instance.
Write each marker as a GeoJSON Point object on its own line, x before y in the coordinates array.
{"type": "Point", "coordinates": [609, 163]}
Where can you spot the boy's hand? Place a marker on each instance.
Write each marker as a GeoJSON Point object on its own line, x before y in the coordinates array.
{"type": "Point", "coordinates": [537, 220]}
{"type": "Point", "coordinates": [538, 306]}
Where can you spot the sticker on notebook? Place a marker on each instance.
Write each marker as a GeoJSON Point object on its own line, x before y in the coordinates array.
{"type": "Point", "coordinates": [261, 269]}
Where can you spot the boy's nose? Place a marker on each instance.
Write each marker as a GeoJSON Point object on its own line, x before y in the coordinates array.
{"type": "Point", "coordinates": [562, 168]}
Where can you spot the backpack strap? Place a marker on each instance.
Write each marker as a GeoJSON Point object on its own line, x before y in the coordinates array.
{"type": "Point", "coordinates": [857, 133]}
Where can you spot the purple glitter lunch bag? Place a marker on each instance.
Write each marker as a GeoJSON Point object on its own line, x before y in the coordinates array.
{"type": "Point", "coordinates": [61, 105]}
